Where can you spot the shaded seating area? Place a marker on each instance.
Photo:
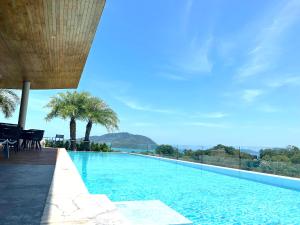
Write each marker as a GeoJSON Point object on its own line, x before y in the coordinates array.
{"type": "Point", "coordinates": [13, 138]}
{"type": "Point", "coordinates": [40, 49]}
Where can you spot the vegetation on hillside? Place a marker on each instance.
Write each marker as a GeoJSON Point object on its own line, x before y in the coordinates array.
{"type": "Point", "coordinates": [291, 154]}
{"type": "Point", "coordinates": [165, 150]}
{"type": "Point", "coordinates": [281, 161]}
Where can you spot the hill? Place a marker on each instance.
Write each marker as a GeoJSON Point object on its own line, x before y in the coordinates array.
{"type": "Point", "coordinates": [125, 140]}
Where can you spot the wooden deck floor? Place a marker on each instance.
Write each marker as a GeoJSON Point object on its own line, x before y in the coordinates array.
{"type": "Point", "coordinates": [45, 157]}
{"type": "Point", "coordinates": [25, 179]}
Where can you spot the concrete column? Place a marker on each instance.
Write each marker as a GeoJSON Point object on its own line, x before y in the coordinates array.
{"type": "Point", "coordinates": [24, 104]}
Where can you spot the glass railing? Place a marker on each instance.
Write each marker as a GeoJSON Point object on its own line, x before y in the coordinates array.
{"type": "Point", "coordinates": [133, 148]}
{"type": "Point", "coordinates": [249, 159]}
{"type": "Point", "coordinates": [279, 161]}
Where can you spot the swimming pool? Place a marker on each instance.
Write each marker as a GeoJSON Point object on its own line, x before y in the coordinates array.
{"type": "Point", "coordinates": [203, 197]}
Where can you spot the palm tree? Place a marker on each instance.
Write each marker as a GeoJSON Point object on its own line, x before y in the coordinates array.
{"type": "Point", "coordinates": [69, 105]}
{"type": "Point", "coordinates": [97, 112]}
{"type": "Point", "coordinates": [8, 102]}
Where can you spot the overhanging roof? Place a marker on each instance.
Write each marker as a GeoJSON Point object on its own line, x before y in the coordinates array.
{"type": "Point", "coordinates": [46, 42]}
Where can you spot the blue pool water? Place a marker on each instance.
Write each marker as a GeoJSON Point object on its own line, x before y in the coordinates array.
{"type": "Point", "coordinates": [201, 196]}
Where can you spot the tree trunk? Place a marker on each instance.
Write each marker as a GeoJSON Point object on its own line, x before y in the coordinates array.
{"type": "Point", "coordinates": [87, 135]}
{"type": "Point", "coordinates": [73, 134]}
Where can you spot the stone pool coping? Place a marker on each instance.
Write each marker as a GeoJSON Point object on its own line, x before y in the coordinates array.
{"type": "Point", "coordinates": [69, 201]}
{"type": "Point", "coordinates": [271, 179]}
{"type": "Point", "coordinates": [150, 212]}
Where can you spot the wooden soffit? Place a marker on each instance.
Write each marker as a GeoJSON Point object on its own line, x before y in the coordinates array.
{"type": "Point", "coordinates": [46, 42]}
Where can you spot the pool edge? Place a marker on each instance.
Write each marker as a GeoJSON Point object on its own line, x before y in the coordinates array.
{"type": "Point", "coordinates": [69, 201]}
{"type": "Point", "coordinates": [271, 179]}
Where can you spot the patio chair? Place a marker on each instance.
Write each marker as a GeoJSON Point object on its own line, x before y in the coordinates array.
{"type": "Point", "coordinates": [27, 137]}
{"type": "Point", "coordinates": [37, 137]}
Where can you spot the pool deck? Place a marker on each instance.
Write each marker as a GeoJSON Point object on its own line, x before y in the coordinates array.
{"type": "Point", "coordinates": [25, 181]}
{"type": "Point", "coordinates": [44, 187]}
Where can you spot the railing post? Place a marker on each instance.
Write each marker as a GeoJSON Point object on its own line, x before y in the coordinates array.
{"type": "Point", "coordinates": [240, 163]}
{"type": "Point", "coordinates": [202, 155]}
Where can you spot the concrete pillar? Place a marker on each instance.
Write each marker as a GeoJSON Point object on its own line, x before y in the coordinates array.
{"type": "Point", "coordinates": [24, 104]}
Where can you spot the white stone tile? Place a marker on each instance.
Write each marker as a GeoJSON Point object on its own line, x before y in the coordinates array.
{"type": "Point", "coordinates": [151, 212]}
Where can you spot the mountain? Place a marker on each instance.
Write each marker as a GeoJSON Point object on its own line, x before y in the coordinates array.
{"type": "Point", "coordinates": [125, 140]}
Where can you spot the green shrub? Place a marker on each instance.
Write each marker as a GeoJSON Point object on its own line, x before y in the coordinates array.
{"type": "Point", "coordinates": [100, 147]}
{"type": "Point", "coordinates": [296, 158]}
{"type": "Point", "coordinates": [165, 150]}
{"type": "Point", "coordinates": [67, 145]}
{"type": "Point", "coordinates": [104, 148]}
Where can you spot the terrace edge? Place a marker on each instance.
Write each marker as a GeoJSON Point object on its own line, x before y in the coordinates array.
{"type": "Point", "coordinates": [271, 179]}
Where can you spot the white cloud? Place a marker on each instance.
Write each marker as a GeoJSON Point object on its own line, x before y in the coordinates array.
{"type": "Point", "coordinates": [211, 115]}
{"type": "Point", "coordinates": [287, 81]}
{"type": "Point", "coordinates": [192, 61]}
{"type": "Point", "coordinates": [216, 115]}
{"type": "Point", "coordinates": [129, 102]}
{"type": "Point", "coordinates": [249, 95]}
{"type": "Point", "coordinates": [265, 53]}
{"type": "Point", "coordinates": [196, 58]}
{"type": "Point", "coordinates": [186, 14]}
{"type": "Point", "coordinates": [112, 86]}
{"type": "Point", "coordinates": [268, 108]}
{"type": "Point", "coordinates": [136, 106]}
{"type": "Point", "coordinates": [226, 50]}
{"type": "Point", "coordinates": [143, 124]}
{"type": "Point", "coordinates": [171, 76]}
{"type": "Point", "coordinates": [208, 125]}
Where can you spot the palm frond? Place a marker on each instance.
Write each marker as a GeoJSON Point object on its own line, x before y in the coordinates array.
{"type": "Point", "coordinates": [100, 113]}
{"type": "Point", "coordinates": [8, 102]}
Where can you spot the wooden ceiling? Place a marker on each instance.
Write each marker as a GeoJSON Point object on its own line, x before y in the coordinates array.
{"type": "Point", "coordinates": [46, 42]}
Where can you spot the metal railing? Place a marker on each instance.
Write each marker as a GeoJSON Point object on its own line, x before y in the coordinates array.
{"type": "Point", "coordinates": [239, 157]}
{"type": "Point", "coordinates": [6, 147]}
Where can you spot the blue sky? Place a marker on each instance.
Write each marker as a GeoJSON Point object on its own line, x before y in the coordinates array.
{"type": "Point", "coordinates": [194, 72]}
